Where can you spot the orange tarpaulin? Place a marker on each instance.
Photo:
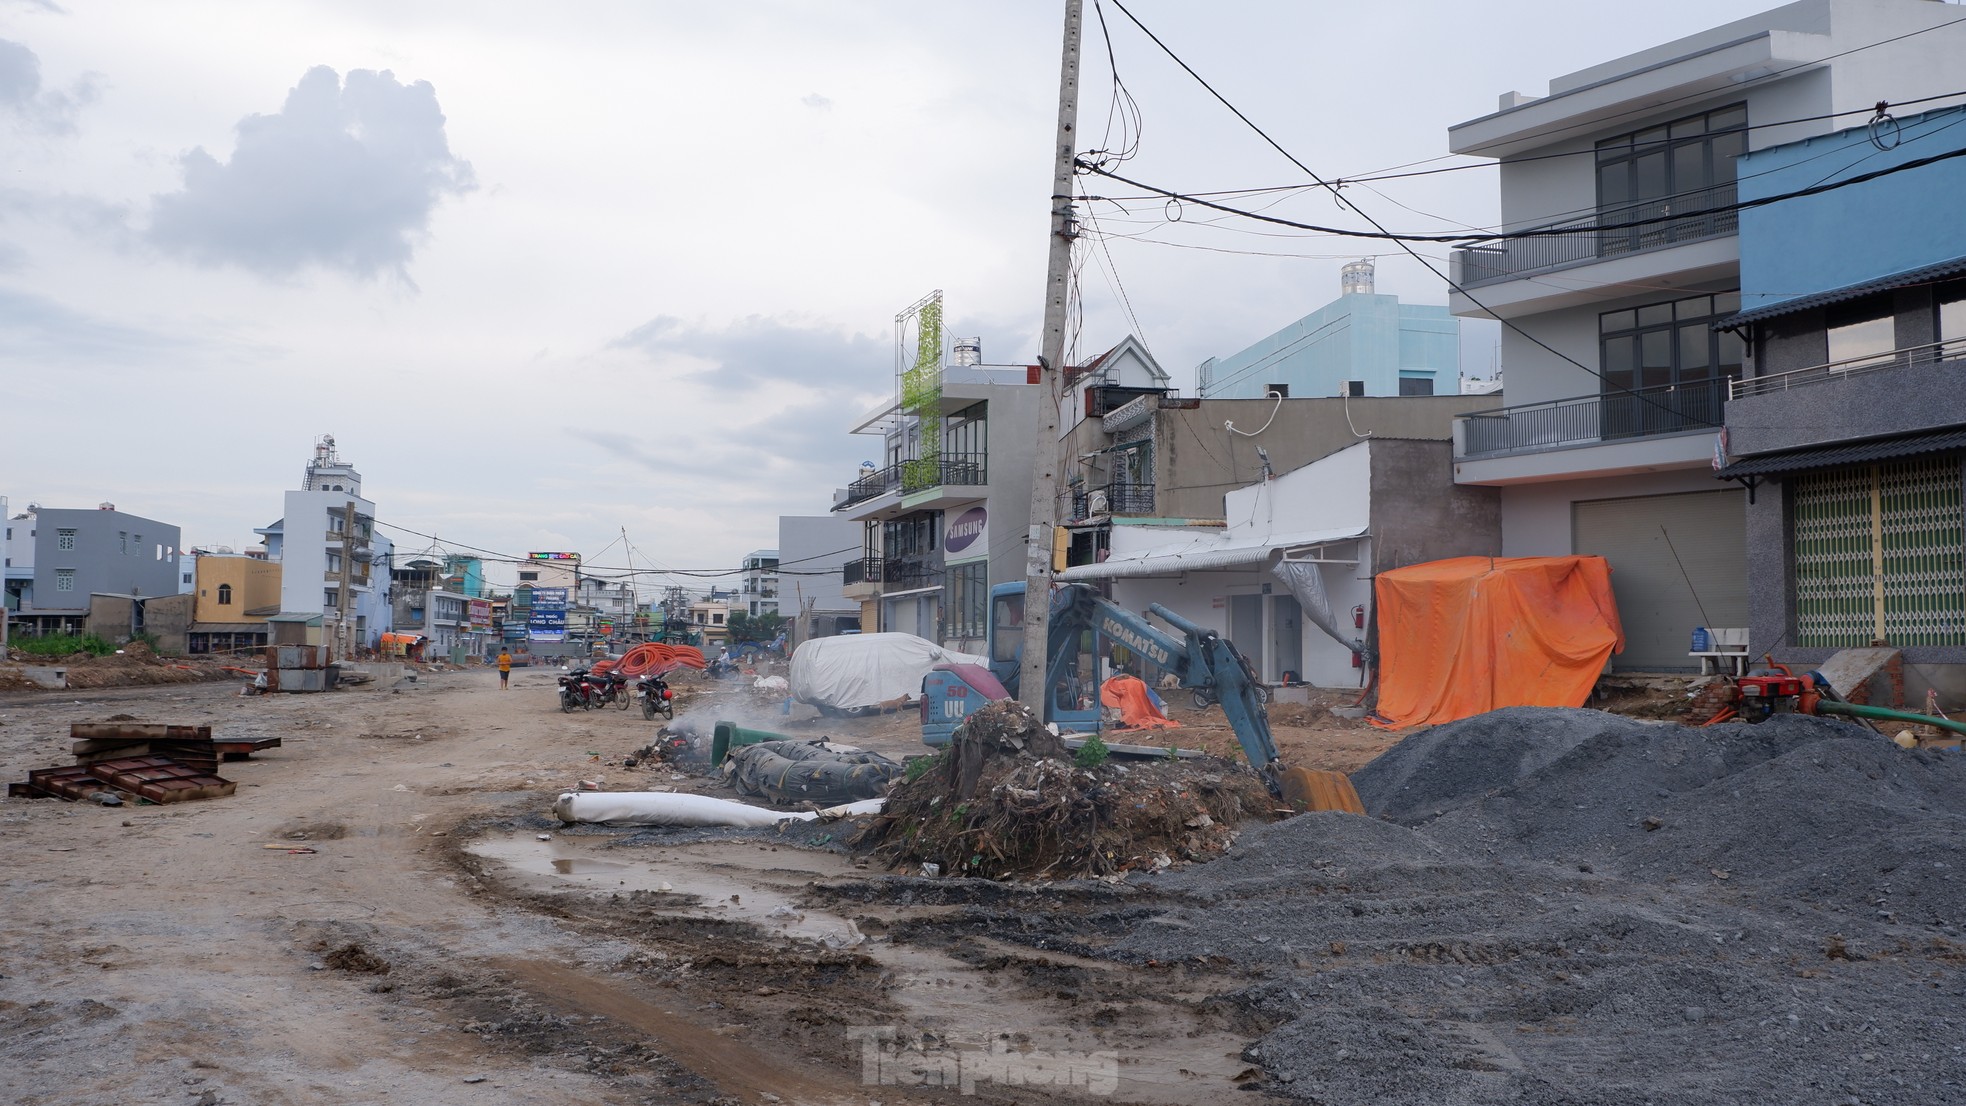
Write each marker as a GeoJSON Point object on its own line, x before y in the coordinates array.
{"type": "Point", "coordinates": [1137, 709]}
{"type": "Point", "coordinates": [1463, 636]}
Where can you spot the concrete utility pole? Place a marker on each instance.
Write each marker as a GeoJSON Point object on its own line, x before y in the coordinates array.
{"type": "Point", "coordinates": [1031, 690]}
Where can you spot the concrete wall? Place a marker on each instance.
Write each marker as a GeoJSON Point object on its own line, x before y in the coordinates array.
{"type": "Point", "coordinates": [1867, 231]}
{"type": "Point", "coordinates": [114, 552]}
{"type": "Point", "coordinates": [168, 618]}
{"type": "Point", "coordinates": [255, 585]}
{"type": "Point", "coordinates": [1898, 400]}
{"type": "Point", "coordinates": [1419, 514]}
{"type": "Point", "coordinates": [1196, 460]}
{"type": "Point", "coordinates": [1359, 336]}
{"type": "Point", "coordinates": [818, 545]}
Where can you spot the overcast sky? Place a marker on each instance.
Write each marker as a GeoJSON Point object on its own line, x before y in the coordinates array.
{"type": "Point", "coordinates": [551, 272]}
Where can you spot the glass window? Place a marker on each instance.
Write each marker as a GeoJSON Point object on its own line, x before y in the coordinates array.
{"type": "Point", "coordinates": [1952, 319]}
{"type": "Point", "coordinates": [969, 598]}
{"type": "Point", "coordinates": [1860, 338]}
{"type": "Point", "coordinates": [1671, 351]}
{"type": "Point", "coordinates": [65, 538]}
{"type": "Point", "coordinates": [1685, 166]}
{"type": "Point", "coordinates": [1416, 385]}
{"type": "Point", "coordinates": [1009, 628]}
{"type": "Point", "coordinates": [64, 579]}
{"type": "Point", "coordinates": [225, 595]}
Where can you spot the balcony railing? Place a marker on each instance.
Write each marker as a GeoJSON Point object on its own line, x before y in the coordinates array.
{"type": "Point", "coordinates": [867, 570]}
{"type": "Point", "coordinates": [1116, 498]}
{"type": "Point", "coordinates": [1587, 420]}
{"type": "Point", "coordinates": [916, 476]}
{"type": "Point", "coordinates": [1951, 349]}
{"type": "Point", "coordinates": [1600, 235]}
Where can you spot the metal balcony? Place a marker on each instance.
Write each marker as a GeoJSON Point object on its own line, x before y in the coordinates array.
{"type": "Point", "coordinates": [1600, 235]}
{"type": "Point", "coordinates": [1116, 498]}
{"type": "Point", "coordinates": [1587, 420]}
{"type": "Point", "coordinates": [1951, 349]}
{"type": "Point", "coordinates": [917, 476]}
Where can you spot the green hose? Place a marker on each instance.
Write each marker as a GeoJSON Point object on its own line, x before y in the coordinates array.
{"type": "Point", "coordinates": [1857, 710]}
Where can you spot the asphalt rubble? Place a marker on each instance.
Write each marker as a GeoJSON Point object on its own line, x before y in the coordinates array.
{"type": "Point", "coordinates": [1564, 907]}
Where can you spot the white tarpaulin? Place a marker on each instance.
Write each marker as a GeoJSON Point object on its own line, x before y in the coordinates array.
{"type": "Point", "coordinates": [664, 808]}
{"type": "Point", "coordinates": [864, 670]}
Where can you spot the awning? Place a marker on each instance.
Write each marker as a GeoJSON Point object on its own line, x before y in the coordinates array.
{"type": "Point", "coordinates": [1848, 292]}
{"type": "Point", "coordinates": [1205, 551]}
{"type": "Point", "coordinates": [1849, 453]}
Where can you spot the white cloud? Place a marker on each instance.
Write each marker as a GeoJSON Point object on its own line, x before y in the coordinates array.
{"type": "Point", "coordinates": [343, 177]}
{"type": "Point", "coordinates": [45, 111]}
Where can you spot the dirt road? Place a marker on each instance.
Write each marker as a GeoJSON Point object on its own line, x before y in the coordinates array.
{"type": "Point", "coordinates": [374, 917]}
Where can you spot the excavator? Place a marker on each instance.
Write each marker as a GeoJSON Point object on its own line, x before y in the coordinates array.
{"type": "Point", "coordinates": [1084, 625]}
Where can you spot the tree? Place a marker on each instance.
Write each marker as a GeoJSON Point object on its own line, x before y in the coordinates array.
{"type": "Point", "coordinates": [761, 628]}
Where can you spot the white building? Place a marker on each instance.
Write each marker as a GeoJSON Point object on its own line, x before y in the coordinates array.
{"type": "Point", "coordinates": [757, 587]}
{"type": "Point", "coordinates": [326, 540]}
{"type": "Point", "coordinates": [1607, 442]}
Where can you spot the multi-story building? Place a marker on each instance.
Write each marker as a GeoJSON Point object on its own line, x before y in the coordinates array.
{"type": "Point", "coordinates": [757, 586]}
{"type": "Point", "coordinates": [813, 551]}
{"type": "Point", "coordinates": [709, 623]}
{"type": "Point", "coordinates": [551, 570]}
{"type": "Point", "coordinates": [1848, 429]}
{"type": "Point", "coordinates": [1360, 344]}
{"type": "Point", "coordinates": [325, 543]}
{"type": "Point", "coordinates": [1622, 186]}
{"type": "Point", "coordinates": [946, 514]}
{"type": "Point", "coordinates": [58, 557]}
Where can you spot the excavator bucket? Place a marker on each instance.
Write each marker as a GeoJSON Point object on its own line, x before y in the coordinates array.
{"type": "Point", "coordinates": [1305, 789]}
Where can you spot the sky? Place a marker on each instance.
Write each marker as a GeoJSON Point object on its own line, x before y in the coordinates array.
{"type": "Point", "coordinates": [555, 274]}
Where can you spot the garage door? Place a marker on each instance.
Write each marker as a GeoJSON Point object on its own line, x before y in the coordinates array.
{"type": "Point", "coordinates": [1660, 596]}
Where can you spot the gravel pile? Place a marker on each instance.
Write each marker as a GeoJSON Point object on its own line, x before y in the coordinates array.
{"type": "Point", "coordinates": [1559, 906]}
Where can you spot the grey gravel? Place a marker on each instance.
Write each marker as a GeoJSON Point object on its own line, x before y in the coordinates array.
{"type": "Point", "coordinates": [1505, 929]}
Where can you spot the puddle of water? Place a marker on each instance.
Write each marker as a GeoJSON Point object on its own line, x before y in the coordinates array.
{"type": "Point", "coordinates": [736, 882]}
{"type": "Point", "coordinates": [1161, 1060]}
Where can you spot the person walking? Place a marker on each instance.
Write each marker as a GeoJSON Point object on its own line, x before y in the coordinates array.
{"type": "Point", "coordinates": [504, 670]}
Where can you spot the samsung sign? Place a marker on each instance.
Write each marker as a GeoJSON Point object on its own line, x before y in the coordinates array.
{"type": "Point", "coordinates": [972, 527]}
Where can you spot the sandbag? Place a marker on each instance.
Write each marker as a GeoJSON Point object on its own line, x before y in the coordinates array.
{"type": "Point", "coordinates": [809, 772]}
{"type": "Point", "coordinates": [662, 808]}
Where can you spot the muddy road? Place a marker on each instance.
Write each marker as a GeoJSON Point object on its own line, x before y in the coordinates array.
{"type": "Point", "coordinates": [385, 913]}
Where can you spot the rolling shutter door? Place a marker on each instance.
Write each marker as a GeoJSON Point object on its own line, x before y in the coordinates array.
{"type": "Point", "coordinates": [1657, 606]}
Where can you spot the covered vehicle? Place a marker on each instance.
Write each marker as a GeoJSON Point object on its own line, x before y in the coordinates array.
{"type": "Point", "coordinates": [859, 673]}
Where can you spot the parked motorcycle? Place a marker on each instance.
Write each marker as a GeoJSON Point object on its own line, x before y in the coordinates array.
{"type": "Point", "coordinates": [655, 696]}
{"type": "Point", "coordinates": [608, 687]}
{"type": "Point", "coordinates": [574, 692]}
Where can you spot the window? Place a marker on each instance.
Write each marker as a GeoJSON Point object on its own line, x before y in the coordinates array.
{"type": "Point", "coordinates": [1878, 555]}
{"type": "Point", "coordinates": [969, 599]}
{"type": "Point", "coordinates": [187, 577]}
{"type": "Point", "coordinates": [331, 599]}
{"type": "Point", "coordinates": [1861, 332]}
{"type": "Point", "coordinates": [1672, 352]}
{"type": "Point", "coordinates": [1952, 314]}
{"type": "Point", "coordinates": [65, 538]}
{"type": "Point", "coordinates": [1280, 391]}
{"type": "Point", "coordinates": [1010, 628]}
{"type": "Point", "coordinates": [1416, 385]}
{"type": "Point", "coordinates": [64, 579]}
{"type": "Point", "coordinates": [1354, 388]}
{"type": "Point", "coordinates": [1685, 165]}
{"type": "Point", "coordinates": [528, 577]}
{"type": "Point", "coordinates": [225, 595]}
{"type": "Point", "coordinates": [123, 539]}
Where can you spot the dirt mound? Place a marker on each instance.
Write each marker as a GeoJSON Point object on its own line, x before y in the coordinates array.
{"type": "Point", "coordinates": [1005, 801]}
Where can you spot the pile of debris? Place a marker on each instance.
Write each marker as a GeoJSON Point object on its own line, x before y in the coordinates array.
{"type": "Point", "coordinates": [155, 763]}
{"type": "Point", "coordinates": [1007, 800]}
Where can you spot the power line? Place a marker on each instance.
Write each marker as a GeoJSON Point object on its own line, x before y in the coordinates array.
{"type": "Point", "coordinates": [1309, 172]}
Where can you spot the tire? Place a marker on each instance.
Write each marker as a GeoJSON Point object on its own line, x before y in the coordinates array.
{"type": "Point", "coordinates": [668, 710]}
{"type": "Point", "coordinates": [621, 700]}
{"type": "Point", "coordinates": [1263, 694]}
{"type": "Point", "coordinates": [1203, 700]}
{"type": "Point", "coordinates": [860, 712]}
{"type": "Point", "coordinates": [566, 703]}
{"type": "Point", "coordinates": [648, 707]}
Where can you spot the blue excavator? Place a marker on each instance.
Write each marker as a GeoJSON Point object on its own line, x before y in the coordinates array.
{"type": "Point", "coordinates": [1084, 626]}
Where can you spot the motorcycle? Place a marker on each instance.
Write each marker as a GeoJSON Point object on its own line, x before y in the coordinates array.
{"type": "Point", "coordinates": [608, 687]}
{"type": "Point", "coordinates": [574, 693]}
{"type": "Point", "coordinates": [721, 668]}
{"type": "Point", "coordinates": [655, 696]}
